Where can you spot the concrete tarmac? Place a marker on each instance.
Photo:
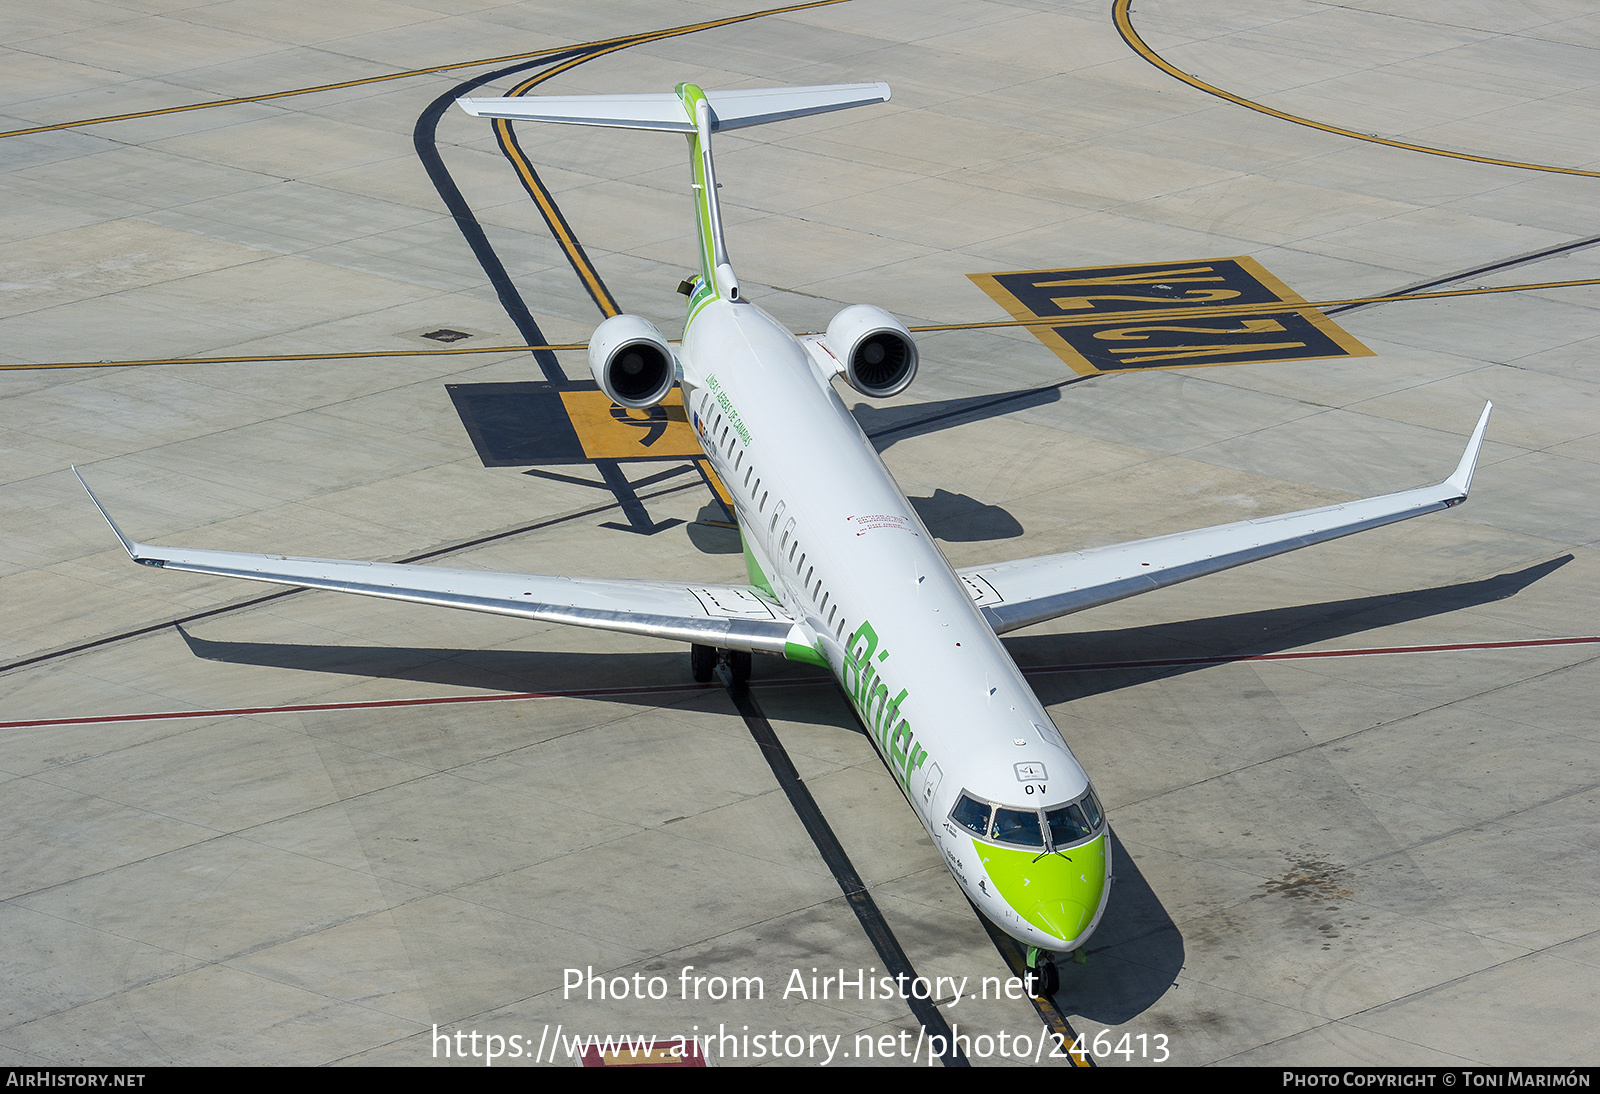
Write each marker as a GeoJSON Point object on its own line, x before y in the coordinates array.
{"type": "Point", "coordinates": [1381, 858]}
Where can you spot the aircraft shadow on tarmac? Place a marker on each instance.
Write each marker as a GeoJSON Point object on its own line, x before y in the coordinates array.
{"type": "Point", "coordinates": [1245, 633]}
{"type": "Point", "coordinates": [1135, 955]}
{"type": "Point", "coordinates": [954, 518]}
{"type": "Point", "coordinates": [1138, 951]}
{"type": "Point", "coordinates": [884, 425]}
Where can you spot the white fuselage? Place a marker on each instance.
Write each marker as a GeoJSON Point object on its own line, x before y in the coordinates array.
{"type": "Point", "coordinates": [846, 555]}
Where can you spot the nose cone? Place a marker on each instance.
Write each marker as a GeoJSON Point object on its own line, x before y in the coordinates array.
{"type": "Point", "coordinates": [1060, 893]}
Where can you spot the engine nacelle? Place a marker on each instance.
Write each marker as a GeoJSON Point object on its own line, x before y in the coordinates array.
{"type": "Point", "coordinates": [875, 350]}
{"type": "Point", "coordinates": [631, 362]}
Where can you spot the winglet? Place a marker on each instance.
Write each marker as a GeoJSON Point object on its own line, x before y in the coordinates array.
{"type": "Point", "coordinates": [127, 544]}
{"type": "Point", "coordinates": [1462, 479]}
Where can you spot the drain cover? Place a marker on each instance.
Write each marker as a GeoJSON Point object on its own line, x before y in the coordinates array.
{"type": "Point", "coordinates": [445, 334]}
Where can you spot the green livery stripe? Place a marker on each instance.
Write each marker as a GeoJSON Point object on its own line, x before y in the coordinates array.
{"type": "Point", "coordinates": [1058, 893]}
{"type": "Point", "coordinates": [691, 95]}
{"type": "Point", "coordinates": [753, 568]}
{"type": "Point", "coordinates": [794, 651]}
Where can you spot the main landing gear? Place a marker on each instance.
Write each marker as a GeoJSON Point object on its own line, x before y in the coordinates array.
{"type": "Point", "coordinates": [703, 661]}
{"type": "Point", "coordinates": [1042, 977]}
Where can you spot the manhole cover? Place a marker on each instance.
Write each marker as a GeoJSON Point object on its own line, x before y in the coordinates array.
{"type": "Point", "coordinates": [445, 334]}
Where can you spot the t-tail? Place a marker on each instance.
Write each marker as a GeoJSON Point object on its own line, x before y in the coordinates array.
{"type": "Point", "coordinates": [697, 114]}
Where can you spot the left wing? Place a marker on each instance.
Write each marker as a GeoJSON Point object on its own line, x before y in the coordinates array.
{"type": "Point", "coordinates": [734, 617]}
{"type": "Point", "coordinates": [1031, 590]}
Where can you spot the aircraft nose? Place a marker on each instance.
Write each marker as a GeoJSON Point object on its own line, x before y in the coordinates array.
{"type": "Point", "coordinates": [1067, 903]}
{"type": "Point", "coordinates": [1058, 893]}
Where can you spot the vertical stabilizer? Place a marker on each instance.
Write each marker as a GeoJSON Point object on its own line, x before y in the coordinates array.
{"type": "Point", "coordinates": [715, 270]}
{"type": "Point", "coordinates": [697, 114]}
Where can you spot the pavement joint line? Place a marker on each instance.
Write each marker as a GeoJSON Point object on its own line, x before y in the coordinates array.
{"type": "Point", "coordinates": [1429, 990]}
{"type": "Point", "coordinates": [690, 697]}
{"type": "Point", "coordinates": [662, 689]}
{"type": "Point", "coordinates": [931, 328]}
{"type": "Point", "coordinates": [1314, 746]}
{"type": "Point", "coordinates": [1478, 271]}
{"type": "Point", "coordinates": [436, 552]}
{"type": "Point", "coordinates": [552, 52]}
{"type": "Point", "coordinates": [856, 893]}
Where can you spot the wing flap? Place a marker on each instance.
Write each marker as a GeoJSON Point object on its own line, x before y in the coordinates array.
{"type": "Point", "coordinates": [737, 617]}
{"type": "Point", "coordinates": [1031, 590]}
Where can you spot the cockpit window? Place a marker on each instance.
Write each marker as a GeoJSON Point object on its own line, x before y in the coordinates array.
{"type": "Point", "coordinates": [971, 815]}
{"type": "Point", "coordinates": [1069, 825]}
{"type": "Point", "coordinates": [1091, 809]}
{"type": "Point", "coordinates": [1017, 826]}
{"type": "Point", "coordinates": [1062, 825]}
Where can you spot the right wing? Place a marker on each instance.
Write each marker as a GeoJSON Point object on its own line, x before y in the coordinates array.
{"type": "Point", "coordinates": [734, 617]}
{"type": "Point", "coordinates": [1030, 590]}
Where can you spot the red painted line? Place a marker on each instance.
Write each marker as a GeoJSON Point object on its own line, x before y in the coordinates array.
{"type": "Point", "coordinates": [1301, 655]}
{"type": "Point", "coordinates": [370, 704]}
{"type": "Point", "coordinates": [659, 689]}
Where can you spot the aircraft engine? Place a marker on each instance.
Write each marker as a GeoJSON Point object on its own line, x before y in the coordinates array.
{"type": "Point", "coordinates": [875, 350]}
{"type": "Point", "coordinates": [631, 362]}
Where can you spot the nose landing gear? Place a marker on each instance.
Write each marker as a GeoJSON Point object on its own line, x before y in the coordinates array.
{"type": "Point", "coordinates": [1043, 979]}
{"type": "Point", "coordinates": [703, 661]}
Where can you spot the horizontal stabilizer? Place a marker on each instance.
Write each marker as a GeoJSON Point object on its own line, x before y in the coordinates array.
{"type": "Point", "coordinates": [665, 111]}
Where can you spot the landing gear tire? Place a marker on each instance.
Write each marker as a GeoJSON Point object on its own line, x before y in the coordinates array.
{"type": "Point", "coordinates": [739, 665]}
{"type": "Point", "coordinates": [1050, 979]}
{"type": "Point", "coordinates": [702, 662]}
{"type": "Point", "coordinates": [1046, 979]}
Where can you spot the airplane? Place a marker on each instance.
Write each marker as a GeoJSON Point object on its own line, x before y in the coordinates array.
{"type": "Point", "coordinates": [841, 571]}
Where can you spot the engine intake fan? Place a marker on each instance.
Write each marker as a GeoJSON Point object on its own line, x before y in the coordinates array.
{"type": "Point", "coordinates": [631, 362]}
{"type": "Point", "coordinates": [878, 355]}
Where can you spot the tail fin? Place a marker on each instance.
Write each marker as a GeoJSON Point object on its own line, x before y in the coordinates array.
{"type": "Point", "coordinates": [697, 114]}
